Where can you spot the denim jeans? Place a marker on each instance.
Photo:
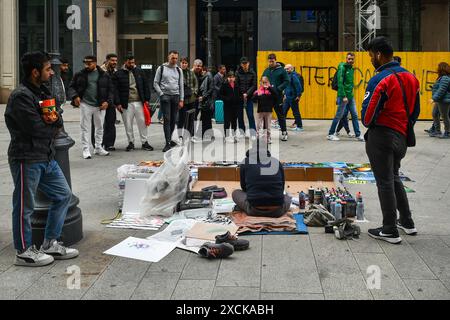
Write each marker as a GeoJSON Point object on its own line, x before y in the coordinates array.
{"type": "Point", "coordinates": [340, 113]}
{"type": "Point", "coordinates": [292, 103]}
{"type": "Point", "coordinates": [281, 117]}
{"type": "Point", "coordinates": [248, 106]}
{"type": "Point", "coordinates": [169, 107]}
{"type": "Point", "coordinates": [344, 122]}
{"type": "Point", "coordinates": [386, 148]}
{"type": "Point", "coordinates": [49, 179]}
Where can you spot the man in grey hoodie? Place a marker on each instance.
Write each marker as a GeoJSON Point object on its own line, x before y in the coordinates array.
{"type": "Point", "coordinates": [168, 84]}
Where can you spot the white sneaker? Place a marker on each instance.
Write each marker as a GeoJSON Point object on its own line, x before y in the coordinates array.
{"type": "Point", "coordinates": [32, 257]}
{"type": "Point", "coordinates": [284, 136]}
{"type": "Point", "coordinates": [59, 252]}
{"type": "Point", "coordinates": [333, 137]}
{"type": "Point", "coordinates": [351, 135]}
{"type": "Point", "coordinates": [247, 134]}
{"type": "Point", "coordinates": [87, 154]}
{"type": "Point", "coordinates": [239, 135]}
{"type": "Point", "coordinates": [196, 140]}
{"type": "Point", "coordinates": [101, 152]}
{"type": "Point", "coordinates": [360, 139]}
{"type": "Point", "coordinates": [230, 139]}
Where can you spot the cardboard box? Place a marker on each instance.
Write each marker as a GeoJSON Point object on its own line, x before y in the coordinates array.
{"type": "Point", "coordinates": [297, 179]}
{"type": "Point", "coordinates": [291, 174]}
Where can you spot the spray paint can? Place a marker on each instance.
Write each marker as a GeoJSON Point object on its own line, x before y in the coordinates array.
{"type": "Point", "coordinates": [302, 200]}
{"type": "Point", "coordinates": [311, 195]}
{"type": "Point", "coordinates": [338, 210]}
{"type": "Point", "coordinates": [333, 206]}
{"type": "Point", "coordinates": [317, 196]}
{"type": "Point", "coordinates": [359, 207]}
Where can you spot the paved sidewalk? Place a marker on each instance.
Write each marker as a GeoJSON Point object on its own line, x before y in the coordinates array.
{"type": "Point", "coordinates": [314, 266]}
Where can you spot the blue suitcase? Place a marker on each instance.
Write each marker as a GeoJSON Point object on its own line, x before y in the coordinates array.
{"type": "Point", "coordinates": [218, 107]}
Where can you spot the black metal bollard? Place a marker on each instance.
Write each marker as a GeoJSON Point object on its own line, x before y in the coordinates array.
{"type": "Point", "coordinates": [72, 231]}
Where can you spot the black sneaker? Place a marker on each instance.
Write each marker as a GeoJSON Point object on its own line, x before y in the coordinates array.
{"type": "Point", "coordinates": [130, 147]}
{"type": "Point", "coordinates": [435, 134]}
{"type": "Point", "coordinates": [167, 148]}
{"type": "Point", "coordinates": [147, 147]}
{"type": "Point", "coordinates": [238, 244]}
{"type": "Point", "coordinates": [409, 230]}
{"type": "Point", "coordinates": [173, 144]}
{"type": "Point", "coordinates": [110, 149]}
{"type": "Point", "coordinates": [216, 251]}
{"type": "Point", "coordinates": [393, 237]}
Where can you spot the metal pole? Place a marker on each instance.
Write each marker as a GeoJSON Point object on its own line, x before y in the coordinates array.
{"type": "Point", "coordinates": [210, 7]}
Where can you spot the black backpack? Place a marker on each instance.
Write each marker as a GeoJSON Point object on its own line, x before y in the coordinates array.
{"type": "Point", "coordinates": [334, 83]}
{"type": "Point", "coordinates": [189, 93]}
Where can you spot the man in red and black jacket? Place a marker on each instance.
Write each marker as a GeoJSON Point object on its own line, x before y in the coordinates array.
{"type": "Point", "coordinates": [385, 114]}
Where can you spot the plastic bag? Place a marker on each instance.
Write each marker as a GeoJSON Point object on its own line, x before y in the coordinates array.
{"type": "Point", "coordinates": [168, 186]}
{"type": "Point", "coordinates": [147, 115]}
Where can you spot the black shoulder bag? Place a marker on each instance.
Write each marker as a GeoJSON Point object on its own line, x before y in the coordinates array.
{"type": "Point", "coordinates": [410, 135]}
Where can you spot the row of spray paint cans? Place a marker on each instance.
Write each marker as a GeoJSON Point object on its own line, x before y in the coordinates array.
{"type": "Point", "coordinates": [339, 202]}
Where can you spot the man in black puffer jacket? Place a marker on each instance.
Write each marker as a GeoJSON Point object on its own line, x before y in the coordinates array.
{"type": "Point", "coordinates": [31, 153]}
{"type": "Point", "coordinates": [262, 183]}
{"type": "Point", "coordinates": [92, 90]}
{"type": "Point", "coordinates": [132, 93]}
{"type": "Point", "coordinates": [246, 79]}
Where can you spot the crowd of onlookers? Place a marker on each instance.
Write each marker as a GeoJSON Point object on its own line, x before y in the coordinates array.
{"type": "Point", "coordinates": [189, 96]}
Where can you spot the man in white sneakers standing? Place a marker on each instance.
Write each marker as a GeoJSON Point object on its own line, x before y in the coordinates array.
{"type": "Point", "coordinates": [132, 94]}
{"type": "Point", "coordinates": [91, 89]}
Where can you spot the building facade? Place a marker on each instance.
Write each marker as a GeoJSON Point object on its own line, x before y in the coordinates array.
{"type": "Point", "coordinates": [148, 29]}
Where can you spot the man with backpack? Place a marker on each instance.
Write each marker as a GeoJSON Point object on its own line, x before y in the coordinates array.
{"type": "Point", "coordinates": [343, 84]}
{"type": "Point", "coordinates": [292, 96]}
{"type": "Point", "coordinates": [168, 84]}
{"type": "Point", "coordinates": [190, 87]}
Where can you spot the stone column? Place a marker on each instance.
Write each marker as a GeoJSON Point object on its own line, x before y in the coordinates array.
{"type": "Point", "coordinates": [8, 48]}
{"type": "Point", "coordinates": [178, 16]}
{"type": "Point", "coordinates": [270, 25]}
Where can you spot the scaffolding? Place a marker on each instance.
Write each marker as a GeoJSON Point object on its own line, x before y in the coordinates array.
{"type": "Point", "coordinates": [367, 17]}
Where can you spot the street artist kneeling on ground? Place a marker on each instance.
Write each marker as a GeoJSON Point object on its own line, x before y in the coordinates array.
{"type": "Point", "coordinates": [262, 183]}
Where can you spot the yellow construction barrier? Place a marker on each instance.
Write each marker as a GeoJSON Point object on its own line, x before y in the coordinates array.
{"type": "Point", "coordinates": [318, 68]}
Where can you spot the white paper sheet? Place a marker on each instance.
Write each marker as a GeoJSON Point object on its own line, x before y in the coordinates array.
{"type": "Point", "coordinates": [134, 192]}
{"type": "Point", "coordinates": [142, 249]}
{"type": "Point", "coordinates": [175, 231]}
{"type": "Point", "coordinates": [223, 206]}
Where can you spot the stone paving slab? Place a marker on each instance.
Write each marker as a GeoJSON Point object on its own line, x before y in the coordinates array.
{"type": "Point", "coordinates": [292, 296]}
{"type": "Point", "coordinates": [235, 293]}
{"type": "Point", "coordinates": [428, 289]}
{"type": "Point", "coordinates": [407, 263]}
{"type": "Point", "coordinates": [339, 272]}
{"type": "Point", "coordinates": [288, 265]}
{"type": "Point", "coordinates": [91, 265]}
{"type": "Point", "coordinates": [391, 286]}
{"type": "Point", "coordinates": [15, 281]}
{"type": "Point", "coordinates": [174, 262]}
{"type": "Point", "coordinates": [198, 268]}
{"type": "Point", "coordinates": [435, 253]}
{"type": "Point", "coordinates": [119, 280]}
{"type": "Point", "coordinates": [156, 286]}
{"type": "Point", "coordinates": [244, 270]}
{"type": "Point", "coordinates": [194, 290]}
